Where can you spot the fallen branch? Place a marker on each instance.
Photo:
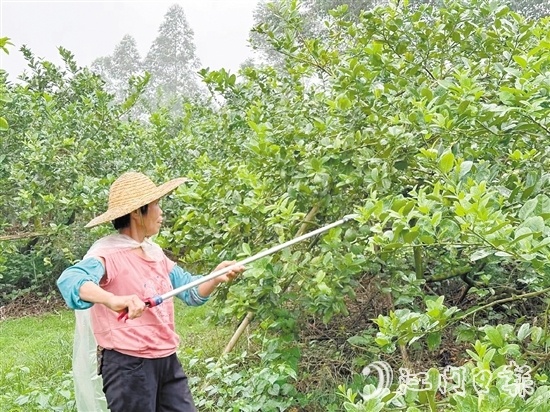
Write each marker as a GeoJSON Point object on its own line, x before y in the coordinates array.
{"type": "Point", "coordinates": [18, 236]}
{"type": "Point", "coordinates": [499, 302]}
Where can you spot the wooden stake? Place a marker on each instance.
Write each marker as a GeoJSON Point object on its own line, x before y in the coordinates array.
{"type": "Point", "coordinates": [234, 339]}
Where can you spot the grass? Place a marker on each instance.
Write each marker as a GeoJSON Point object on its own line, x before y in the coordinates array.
{"type": "Point", "coordinates": [36, 355]}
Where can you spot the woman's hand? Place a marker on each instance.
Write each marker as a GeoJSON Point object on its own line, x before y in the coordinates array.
{"type": "Point", "coordinates": [231, 274]}
{"type": "Point", "coordinates": [206, 288]}
{"type": "Point", "coordinates": [131, 304]}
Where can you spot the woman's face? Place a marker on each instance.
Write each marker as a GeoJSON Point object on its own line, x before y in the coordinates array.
{"type": "Point", "coordinates": [152, 220]}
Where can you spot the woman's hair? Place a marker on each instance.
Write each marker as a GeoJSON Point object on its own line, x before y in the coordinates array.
{"type": "Point", "coordinates": [124, 221]}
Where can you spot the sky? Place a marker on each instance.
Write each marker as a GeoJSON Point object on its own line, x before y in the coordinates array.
{"type": "Point", "coordinates": [91, 29]}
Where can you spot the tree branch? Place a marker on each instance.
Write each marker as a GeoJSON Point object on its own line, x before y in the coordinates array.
{"type": "Point", "coordinates": [499, 302]}
{"type": "Point", "coordinates": [18, 236]}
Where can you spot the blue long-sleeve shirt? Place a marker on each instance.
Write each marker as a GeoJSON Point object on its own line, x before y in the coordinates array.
{"type": "Point", "coordinates": [92, 270]}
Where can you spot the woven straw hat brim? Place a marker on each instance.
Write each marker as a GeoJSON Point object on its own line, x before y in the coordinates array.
{"type": "Point", "coordinates": [138, 199]}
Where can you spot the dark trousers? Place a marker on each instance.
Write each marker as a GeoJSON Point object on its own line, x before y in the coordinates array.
{"type": "Point", "coordinates": [134, 384]}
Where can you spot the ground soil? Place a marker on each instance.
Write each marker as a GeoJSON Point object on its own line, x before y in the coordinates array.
{"type": "Point", "coordinates": [31, 305]}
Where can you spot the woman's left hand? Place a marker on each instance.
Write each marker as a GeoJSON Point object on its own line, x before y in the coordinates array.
{"type": "Point", "coordinates": [232, 273]}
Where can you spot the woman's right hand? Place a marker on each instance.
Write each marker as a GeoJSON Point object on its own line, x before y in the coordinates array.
{"type": "Point", "coordinates": [131, 304]}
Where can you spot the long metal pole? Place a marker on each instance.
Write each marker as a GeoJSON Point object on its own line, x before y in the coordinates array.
{"type": "Point", "coordinates": [251, 259]}
{"type": "Point", "coordinates": [157, 300]}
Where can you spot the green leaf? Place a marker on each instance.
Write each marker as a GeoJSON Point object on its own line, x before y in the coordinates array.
{"type": "Point", "coordinates": [246, 249]}
{"type": "Point", "coordinates": [521, 61]}
{"type": "Point", "coordinates": [480, 254]}
{"type": "Point", "coordinates": [4, 41]}
{"type": "Point", "coordinates": [520, 234]}
{"type": "Point", "coordinates": [436, 218]}
{"type": "Point", "coordinates": [343, 102]}
{"type": "Point", "coordinates": [535, 207]}
{"type": "Point", "coordinates": [434, 340]}
{"type": "Point", "coordinates": [463, 106]}
{"type": "Point", "coordinates": [433, 379]}
{"type": "Point", "coordinates": [465, 168]}
{"type": "Point", "coordinates": [5, 98]}
{"type": "Point", "coordinates": [488, 357]}
{"type": "Point", "coordinates": [494, 336]}
{"type": "Point", "coordinates": [534, 223]}
{"type": "Point", "coordinates": [536, 334]}
{"type": "Point", "coordinates": [410, 236]}
{"type": "Point", "coordinates": [446, 162]}
{"type": "Point", "coordinates": [3, 124]}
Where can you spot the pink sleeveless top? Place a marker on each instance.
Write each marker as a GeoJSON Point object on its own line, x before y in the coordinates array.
{"type": "Point", "coordinates": [153, 334]}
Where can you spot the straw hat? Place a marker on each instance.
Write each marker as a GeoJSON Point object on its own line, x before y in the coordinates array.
{"type": "Point", "coordinates": [131, 191]}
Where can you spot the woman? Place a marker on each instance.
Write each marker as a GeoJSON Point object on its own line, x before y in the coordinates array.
{"type": "Point", "coordinates": [137, 358]}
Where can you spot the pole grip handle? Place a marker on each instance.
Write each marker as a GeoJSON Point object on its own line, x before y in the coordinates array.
{"type": "Point", "coordinates": [149, 302]}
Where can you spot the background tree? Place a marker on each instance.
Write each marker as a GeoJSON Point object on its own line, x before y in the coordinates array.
{"type": "Point", "coordinates": [118, 68]}
{"type": "Point", "coordinates": [126, 62]}
{"type": "Point", "coordinates": [103, 66]}
{"type": "Point", "coordinates": [172, 60]}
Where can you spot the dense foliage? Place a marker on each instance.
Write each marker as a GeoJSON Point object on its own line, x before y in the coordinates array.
{"type": "Point", "coordinates": [65, 143]}
{"type": "Point", "coordinates": [313, 12]}
{"type": "Point", "coordinates": [431, 123]}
